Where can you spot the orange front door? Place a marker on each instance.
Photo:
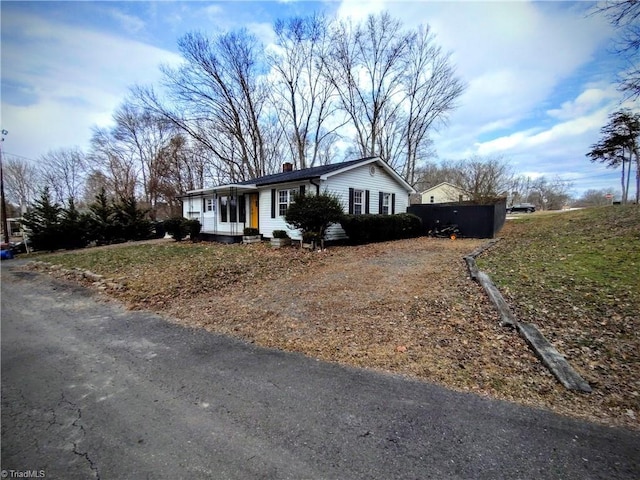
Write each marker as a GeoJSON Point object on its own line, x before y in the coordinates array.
{"type": "Point", "coordinates": [253, 210]}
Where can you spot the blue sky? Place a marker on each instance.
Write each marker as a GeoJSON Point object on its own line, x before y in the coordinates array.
{"type": "Point", "coordinates": [540, 75]}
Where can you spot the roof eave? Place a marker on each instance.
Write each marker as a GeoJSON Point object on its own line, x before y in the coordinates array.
{"type": "Point", "coordinates": [380, 163]}
{"type": "Point", "coordinates": [220, 188]}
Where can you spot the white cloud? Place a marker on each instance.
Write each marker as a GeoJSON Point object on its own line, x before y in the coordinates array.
{"type": "Point", "coordinates": [557, 138]}
{"type": "Point", "coordinates": [585, 102]}
{"type": "Point", "coordinates": [511, 54]}
{"type": "Point", "coordinates": [263, 32]}
{"type": "Point", "coordinates": [358, 9]}
{"type": "Point", "coordinates": [130, 23]}
{"type": "Point", "coordinates": [213, 11]}
{"type": "Point", "coordinates": [76, 78]}
{"type": "Point", "coordinates": [521, 61]}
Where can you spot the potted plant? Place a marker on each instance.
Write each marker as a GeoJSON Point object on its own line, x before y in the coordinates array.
{"type": "Point", "coordinates": [280, 238]}
{"type": "Point", "coordinates": [251, 235]}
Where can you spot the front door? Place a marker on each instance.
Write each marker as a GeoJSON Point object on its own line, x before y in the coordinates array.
{"type": "Point", "coordinates": [253, 210]}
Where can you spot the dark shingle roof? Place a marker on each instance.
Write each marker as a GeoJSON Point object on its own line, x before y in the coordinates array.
{"type": "Point", "coordinates": [304, 174]}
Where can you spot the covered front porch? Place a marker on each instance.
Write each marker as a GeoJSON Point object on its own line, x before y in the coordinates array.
{"type": "Point", "coordinates": [224, 212]}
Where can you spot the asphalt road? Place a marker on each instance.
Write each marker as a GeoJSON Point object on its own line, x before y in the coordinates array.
{"type": "Point", "coordinates": [90, 390]}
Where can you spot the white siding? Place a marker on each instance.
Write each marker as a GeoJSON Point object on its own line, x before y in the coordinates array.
{"type": "Point", "coordinates": [444, 193]}
{"type": "Point", "coordinates": [361, 179]}
{"type": "Point", "coordinates": [358, 178]}
{"type": "Point", "coordinates": [195, 208]}
{"type": "Point", "coordinates": [268, 224]}
{"type": "Point", "coordinates": [192, 207]}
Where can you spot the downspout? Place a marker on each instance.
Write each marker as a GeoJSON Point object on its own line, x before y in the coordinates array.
{"type": "Point", "coordinates": [216, 211]}
{"type": "Point", "coordinates": [234, 196]}
{"type": "Point", "coordinates": [317, 185]}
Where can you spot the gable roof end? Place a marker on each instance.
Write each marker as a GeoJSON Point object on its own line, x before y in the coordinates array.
{"type": "Point", "coordinates": [365, 161]}
{"type": "Point", "coordinates": [442, 184]}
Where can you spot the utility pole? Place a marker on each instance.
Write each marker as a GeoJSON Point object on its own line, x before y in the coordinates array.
{"type": "Point", "coordinates": [3, 204]}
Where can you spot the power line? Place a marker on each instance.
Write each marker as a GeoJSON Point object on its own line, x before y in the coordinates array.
{"type": "Point", "coordinates": [20, 156]}
{"type": "Point", "coordinates": [577, 179]}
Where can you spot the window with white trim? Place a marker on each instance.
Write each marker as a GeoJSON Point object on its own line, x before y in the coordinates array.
{"type": "Point", "coordinates": [285, 198]}
{"type": "Point", "coordinates": [233, 208]}
{"type": "Point", "coordinates": [224, 202]}
{"type": "Point", "coordinates": [358, 202]}
{"type": "Point", "coordinates": [386, 202]}
{"type": "Point", "coordinates": [210, 205]}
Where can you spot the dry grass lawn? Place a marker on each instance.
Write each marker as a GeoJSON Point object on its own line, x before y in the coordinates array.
{"type": "Point", "coordinates": [406, 307]}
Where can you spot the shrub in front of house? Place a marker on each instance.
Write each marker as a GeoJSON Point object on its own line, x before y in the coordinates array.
{"type": "Point", "coordinates": [379, 228]}
{"type": "Point", "coordinates": [250, 232]}
{"type": "Point", "coordinates": [409, 225]}
{"type": "Point", "coordinates": [159, 230]}
{"type": "Point", "coordinates": [193, 227]}
{"type": "Point", "coordinates": [280, 234]}
{"type": "Point", "coordinates": [179, 228]}
{"type": "Point", "coordinates": [313, 214]}
{"type": "Point", "coordinates": [176, 227]}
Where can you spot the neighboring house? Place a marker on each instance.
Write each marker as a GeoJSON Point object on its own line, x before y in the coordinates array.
{"type": "Point", "coordinates": [366, 185]}
{"type": "Point", "coordinates": [445, 193]}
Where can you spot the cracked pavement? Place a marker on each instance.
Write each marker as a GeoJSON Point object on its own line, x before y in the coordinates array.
{"type": "Point", "coordinates": [90, 390]}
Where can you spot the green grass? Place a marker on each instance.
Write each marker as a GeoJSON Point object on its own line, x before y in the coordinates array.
{"type": "Point", "coordinates": [589, 259]}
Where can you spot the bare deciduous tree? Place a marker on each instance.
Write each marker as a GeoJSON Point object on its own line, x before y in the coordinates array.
{"type": "Point", "coordinates": [389, 85]}
{"type": "Point", "coordinates": [303, 99]}
{"type": "Point", "coordinates": [430, 174]}
{"type": "Point", "coordinates": [218, 99]}
{"type": "Point", "coordinates": [182, 167]}
{"type": "Point", "coordinates": [140, 136]}
{"type": "Point", "coordinates": [63, 170]}
{"type": "Point", "coordinates": [117, 164]}
{"type": "Point", "coordinates": [365, 65]}
{"type": "Point", "coordinates": [549, 195]}
{"type": "Point", "coordinates": [432, 89]}
{"type": "Point", "coordinates": [21, 181]}
{"type": "Point", "coordinates": [485, 178]}
{"type": "Point", "coordinates": [395, 85]}
{"type": "Point", "coordinates": [96, 183]}
{"type": "Point", "coordinates": [594, 198]}
{"type": "Point", "coordinates": [624, 15]}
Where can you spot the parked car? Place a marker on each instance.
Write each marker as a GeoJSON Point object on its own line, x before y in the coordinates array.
{"type": "Point", "coordinates": [522, 207]}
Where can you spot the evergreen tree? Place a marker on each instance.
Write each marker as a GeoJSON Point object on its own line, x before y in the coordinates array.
{"type": "Point", "coordinates": [74, 227]}
{"type": "Point", "coordinates": [130, 221]}
{"type": "Point", "coordinates": [43, 223]}
{"type": "Point", "coordinates": [620, 147]}
{"type": "Point", "coordinates": [101, 220]}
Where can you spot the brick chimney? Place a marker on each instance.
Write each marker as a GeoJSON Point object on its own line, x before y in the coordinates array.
{"type": "Point", "coordinates": [287, 167]}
